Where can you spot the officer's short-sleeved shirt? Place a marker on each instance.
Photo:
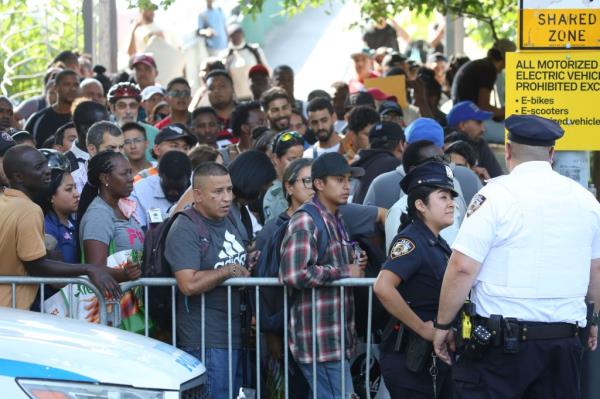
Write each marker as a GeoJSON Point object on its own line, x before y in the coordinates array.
{"type": "Point", "coordinates": [419, 258]}
{"type": "Point", "coordinates": [535, 233]}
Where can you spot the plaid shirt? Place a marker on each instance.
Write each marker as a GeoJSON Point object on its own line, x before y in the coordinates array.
{"type": "Point", "coordinates": [298, 269]}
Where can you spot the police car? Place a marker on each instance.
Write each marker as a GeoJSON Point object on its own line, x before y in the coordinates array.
{"type": "Point", "coordinates": [43, 356]}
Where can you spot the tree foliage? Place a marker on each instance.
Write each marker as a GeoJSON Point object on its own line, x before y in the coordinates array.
{"type": "Point", "coordinates": [497, 18]}
{"type": "Point", "coordinates": [31, 37]}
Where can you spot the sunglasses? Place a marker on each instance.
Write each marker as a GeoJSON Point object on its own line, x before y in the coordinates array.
{"type": "Point", "coordinates": [180, 93]}
{"type": "Point", "coordinates": [284, 137]}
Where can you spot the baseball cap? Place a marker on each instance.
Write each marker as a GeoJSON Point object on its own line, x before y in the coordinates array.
{"type": "Point", "coordinates": [18, 135]}
{"type": "Point", "coordinates": [146, 59]}
{"type": "Point", "coordinates": [6, 142]}
{"type": "Point", "coordinates": [425, 129]}
{"type": "Point", "coordinates": [174, 132]}
{"type": "Point", "coordinates": [431, 174]}
{"type": "Point", "coordinates": [258, 68]}
{"type": "Point", "coordinates": [362, 52]}
{"type": "Point", "coordinates": [390, 106]}
{"type": "Point", "coordinates": [150, 91]}
{"type": "Point", "coordinates": [533, 130]}
{"type": "Point", "coordinates": [232, 28]}
{"type": "Point", "coordinates": [386, 130]}
{"type": "Point", "coordinates": [360, 98]}
{"type": "Point", "coordinates": [333, 164]}
{"type": "Point", "coordinates": [504, 46]}
{"type": "Point", "coordinates": [467, 111]}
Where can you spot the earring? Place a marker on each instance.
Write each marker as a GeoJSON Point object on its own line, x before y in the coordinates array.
{"type": "Point", "coordinates": [106, 185]}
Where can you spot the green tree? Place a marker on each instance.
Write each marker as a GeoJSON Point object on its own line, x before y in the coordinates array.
{"type": "Point", "coordinates": [496, 18]}
{"type": "Point", "coordinates": [31, 38]}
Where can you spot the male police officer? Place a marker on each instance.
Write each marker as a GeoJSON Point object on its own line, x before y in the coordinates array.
{"type": "Point", "coordinates": [529, 251]}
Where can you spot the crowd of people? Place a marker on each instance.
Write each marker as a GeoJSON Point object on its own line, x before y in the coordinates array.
{"type": "Point", "coordinates": [347, 183]}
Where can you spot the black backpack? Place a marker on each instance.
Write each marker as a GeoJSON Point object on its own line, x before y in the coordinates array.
{"type": "Point", "coordinates": [271, 298]}
{"type": "Point", "coordinates": [154, 264]}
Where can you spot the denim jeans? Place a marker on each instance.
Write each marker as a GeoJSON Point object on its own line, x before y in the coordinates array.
{"type": "Point", "coordinates": [216, 363]}
{"type": "Point", "coordinates": [329, 379]}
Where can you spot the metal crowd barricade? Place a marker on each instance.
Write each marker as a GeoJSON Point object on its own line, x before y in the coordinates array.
{"type": "Point", "coordinates": [14, 281]}
{"type": "Point", "coordinates": [257, 283]}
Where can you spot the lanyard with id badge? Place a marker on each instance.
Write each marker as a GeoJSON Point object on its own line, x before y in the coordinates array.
{"type": "Point", "coordinates": [155, 216]}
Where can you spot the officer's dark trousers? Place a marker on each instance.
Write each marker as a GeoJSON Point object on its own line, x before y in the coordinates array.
{"type": "Point", "coordinates": [404, 384]}
{"type": "Point", "coordinates": [542, 369]}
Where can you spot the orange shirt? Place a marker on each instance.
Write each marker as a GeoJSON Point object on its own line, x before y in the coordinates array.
{"type": "Point", "coordinates": [152, 171]}
{"type": "Point", "coordinates": [21, 239]}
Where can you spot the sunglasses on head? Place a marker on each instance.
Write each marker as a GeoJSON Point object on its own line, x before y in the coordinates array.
{"type": "Point", "coordinates": [284, 137]}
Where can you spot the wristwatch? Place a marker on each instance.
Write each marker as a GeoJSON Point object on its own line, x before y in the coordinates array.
{"type": "Point", "coordinates": [441, 326]}
{"type": "Point", "coordinates": [594, 318]}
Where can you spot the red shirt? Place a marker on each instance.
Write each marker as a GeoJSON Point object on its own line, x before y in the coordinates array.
{"type": "Point", "coordinates": [356, 84]}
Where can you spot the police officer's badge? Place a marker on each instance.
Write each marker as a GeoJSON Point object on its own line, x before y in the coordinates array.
{"type": "Point", "coordinates": [402, 247]}
{"type": "Point", "coordinates": [476, 202]}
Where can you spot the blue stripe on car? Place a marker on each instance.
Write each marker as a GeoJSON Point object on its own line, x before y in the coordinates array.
{"type": "Point", "coordinates": [15, 368]}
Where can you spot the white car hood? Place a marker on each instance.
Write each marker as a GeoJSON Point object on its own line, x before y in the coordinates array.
{"type": "Point", "coordinates": [57, 348]}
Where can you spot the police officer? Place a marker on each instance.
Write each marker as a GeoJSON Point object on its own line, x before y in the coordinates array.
{"type": "Point", "coordinates": [529, 252]}
{"type": "Point", "coordinates": [409, 285]}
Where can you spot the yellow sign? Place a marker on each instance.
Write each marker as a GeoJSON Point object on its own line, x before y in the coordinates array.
{"type": "Point", "coordinates": [392, 86]}
{"type": "Point", "coordinates": [560, 24]}
{"type": "Point", "coordinates": [563, 86]}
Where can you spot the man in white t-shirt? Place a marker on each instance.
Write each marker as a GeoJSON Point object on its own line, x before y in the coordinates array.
{"type": "Point", "coordinates": [321, 119]}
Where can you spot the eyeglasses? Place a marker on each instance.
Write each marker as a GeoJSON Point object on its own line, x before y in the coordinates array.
{"type": "Point", "coordinates": [180, 93]}
{"type": "Point", "coordinates": [137, 140]}
{"type": "Point", "coordinates": [306, 181]}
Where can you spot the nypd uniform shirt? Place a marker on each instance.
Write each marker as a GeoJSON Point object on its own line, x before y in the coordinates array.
{"type": "Point", "coordinates": [419, 258]}
{"type": "Point", "coordinates": [535, 233]}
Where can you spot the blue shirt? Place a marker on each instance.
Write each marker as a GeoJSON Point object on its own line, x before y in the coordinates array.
{"type": "Point", "coordinates": [215, 19]}
{"type": "Point", "coordinates": [64, 236]}
{"type": "Point", "coordinates": [149, 195]}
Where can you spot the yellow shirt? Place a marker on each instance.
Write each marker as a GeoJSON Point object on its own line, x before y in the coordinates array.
{"type": "Point", "coordinates": [21, 239]}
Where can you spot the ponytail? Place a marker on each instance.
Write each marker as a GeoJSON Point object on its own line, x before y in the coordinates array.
{"type": "Point", "coordinates": [405, 220]}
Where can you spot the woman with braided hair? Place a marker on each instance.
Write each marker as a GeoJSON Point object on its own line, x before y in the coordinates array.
{"type": "Point", "coordinates": [106, 217]}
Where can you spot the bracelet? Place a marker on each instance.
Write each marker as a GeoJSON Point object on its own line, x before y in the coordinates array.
{"type": "Point", "coordinates": [441, 326]}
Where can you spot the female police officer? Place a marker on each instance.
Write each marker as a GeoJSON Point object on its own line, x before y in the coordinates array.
{"type": "Point", "coordinates": [409, 286]}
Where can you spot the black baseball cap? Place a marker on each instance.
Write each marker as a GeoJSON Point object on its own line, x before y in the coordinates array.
{"type": "Point", "coordinates": [333, 164]}
{"type": "Point", "coordinates": [386, 130]}
{"type": "Point", "coordinates": [174, 132]}
{"type": "Point", "coordinates": [390, 106]}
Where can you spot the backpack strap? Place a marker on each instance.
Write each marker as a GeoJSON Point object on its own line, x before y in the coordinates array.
{"type": "Point", "coordinates": [198, 222]}
{"type": "Point", "coordinates": [322, 231]}
{"type": "Point", "coordinates": [255, 53]}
